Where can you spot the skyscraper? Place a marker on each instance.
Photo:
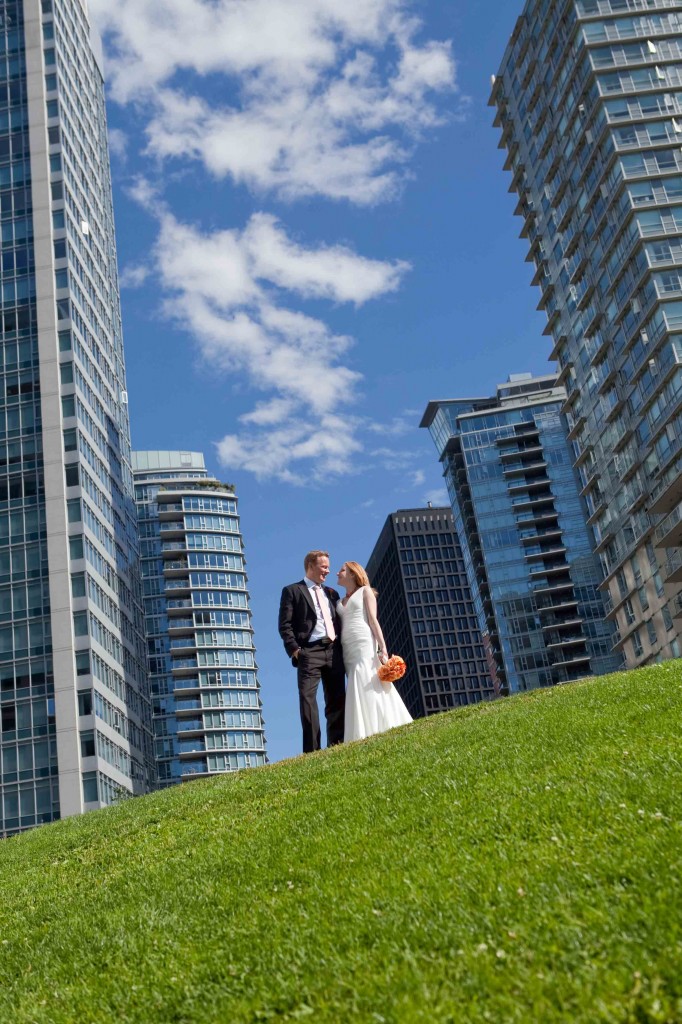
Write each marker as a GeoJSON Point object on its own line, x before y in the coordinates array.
{"type": "Point", "coordinates": [522, 526]}
{"type": "Point", "coordinates": [201, 656]}
{"type": "Point", "coordinates": [426, 611]}
{"type": "Point", "coordinates": [589, 104]}
{"type": "Point", "coordinates": [74, 712]}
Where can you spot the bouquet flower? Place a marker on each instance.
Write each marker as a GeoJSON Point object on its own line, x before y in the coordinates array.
{"type": "Point", "coordinates": [393, 669]}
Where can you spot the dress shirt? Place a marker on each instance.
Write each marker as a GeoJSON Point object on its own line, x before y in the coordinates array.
{"type": "Point", "coordinates": [320, 630]}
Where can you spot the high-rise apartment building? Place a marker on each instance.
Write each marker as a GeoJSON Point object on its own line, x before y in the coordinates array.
{"type": "Point", "coordinates": [75, 718]}
{"type": "Point", "coordinates": [201, 656]}
{"type": "Point", "coordinates": [522, 527]}
{"type": "Point", "coordinates": [589, 103]}
{"type": "Point", "coordinates": [426, 611]}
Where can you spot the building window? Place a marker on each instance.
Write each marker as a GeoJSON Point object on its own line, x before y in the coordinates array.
{"type": "Point", "coordinates": [88, 746]}
{"type": "Point", "coordinates": [629, 612]}
{"type": "Point", "coordinates": [667, 618]}
{"type": "Point", "coordinates": [90, 787]}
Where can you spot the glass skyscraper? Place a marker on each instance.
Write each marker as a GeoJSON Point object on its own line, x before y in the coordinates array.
{"type": "Point", "coordinates": [589, 103]}
{"type": "Point", "coordinates": [426, 611]}
{"type": "Point", "coordinates": [200, 650]}
{"type": "Point", "coordinates": [522, 527]}
{"type": "Point", "coordinates": [75, 717]}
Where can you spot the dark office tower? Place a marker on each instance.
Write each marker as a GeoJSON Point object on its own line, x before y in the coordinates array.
{"type": "Point", "coordinates": [201, 656]}
{"type": "Point", "coordinates": [426, 611]}
{"type": "Point", "coordinates": [589, 101]}
{"type": "Point", "coordinates": [74, 713]}
{"type": "Point", "coordinates": [522, 526]}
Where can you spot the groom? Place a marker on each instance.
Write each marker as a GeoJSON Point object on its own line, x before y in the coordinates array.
{"type": "Point", "coordinates": [310, 629]}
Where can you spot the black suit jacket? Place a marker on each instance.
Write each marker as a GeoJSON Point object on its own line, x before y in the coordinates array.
{"type": "Point", "coordinates": [298, 615]}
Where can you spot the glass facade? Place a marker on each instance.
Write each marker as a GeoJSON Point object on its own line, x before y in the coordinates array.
{"type": "Point", "coordinates": [75, 717]}
{"type": "Point", "coordinates": [200, 651]}
{"type": "Point", "coordinates": [589, 103]}
{"type": "Point", "coordinates": [426, 611]}
{"type": "Point", "coordinates": [522, 525]}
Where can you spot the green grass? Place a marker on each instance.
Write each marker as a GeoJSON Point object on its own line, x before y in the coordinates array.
{"type": "Point", "coordinates": [513, 862]}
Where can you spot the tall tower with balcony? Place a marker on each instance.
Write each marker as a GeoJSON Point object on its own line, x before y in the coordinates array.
{"type": "Point", "coordinates": [589, 103]}
{"type": "Point", "coordinates": [200, 651]}
{"type": "Point", "coordinates": [522, 527]}
{"type": "Point", "coordinates": [75, 718]}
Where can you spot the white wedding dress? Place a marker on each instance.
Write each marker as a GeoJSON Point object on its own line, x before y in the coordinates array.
{"type": "Point", "coordinates": [371, 706]}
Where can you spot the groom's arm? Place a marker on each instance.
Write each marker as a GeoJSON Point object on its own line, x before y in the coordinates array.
{"type": "Point", "coordinates": [286, 622]}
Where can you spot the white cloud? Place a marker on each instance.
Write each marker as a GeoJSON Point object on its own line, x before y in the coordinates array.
{"type": "Point", "coordinates": [323, 98]}
{"type": "Point", "coordinates": [395, 427]}
{"type": "Point", "coordinates": [229, 289]}
{"type": "Point", "coordinates": [438, 497]}
{"type": "Point", "coordinates": [118, 143]}
{"type": "Point", "coordinates": [292, 98]}
{"type": "Point", "coordinates": [134, 276]}
{"type": "Point", "coordinates": [331, 272]}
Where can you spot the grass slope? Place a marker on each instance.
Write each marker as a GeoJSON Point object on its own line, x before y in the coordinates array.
{"type": "Point", "coordinates": [518, 861]}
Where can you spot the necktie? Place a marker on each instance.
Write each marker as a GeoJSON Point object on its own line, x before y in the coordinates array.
{"type": "Point", "coordinates": [323, 605]}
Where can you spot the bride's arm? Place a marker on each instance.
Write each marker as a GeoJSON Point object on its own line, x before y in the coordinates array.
{"type": "Point", "coordinates": [371, 609]}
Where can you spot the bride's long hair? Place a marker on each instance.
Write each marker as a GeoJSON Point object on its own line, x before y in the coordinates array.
{"type": "Point", "coordinates": [358, 573]}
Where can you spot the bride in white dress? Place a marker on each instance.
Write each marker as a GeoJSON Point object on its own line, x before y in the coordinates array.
{"type": "Point", "coordinates": [371, 706]}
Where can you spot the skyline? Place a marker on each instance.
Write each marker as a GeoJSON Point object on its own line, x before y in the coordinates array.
{"type": "Point", "coordinates": [410, 279]}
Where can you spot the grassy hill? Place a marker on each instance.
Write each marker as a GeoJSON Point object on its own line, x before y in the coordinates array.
{"type": "Point", "coordinates": [513, 862]}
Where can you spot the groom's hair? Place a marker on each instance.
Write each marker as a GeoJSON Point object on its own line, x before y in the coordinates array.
{"type": "Point", "coordinates": [312, 557]}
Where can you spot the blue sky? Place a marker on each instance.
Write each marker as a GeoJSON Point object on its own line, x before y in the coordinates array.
{"type": "Point", "coordinates": [315, 239]}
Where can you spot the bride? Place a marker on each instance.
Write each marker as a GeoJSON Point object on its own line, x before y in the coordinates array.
{"type": "Point", "coordinates": [371, 706]}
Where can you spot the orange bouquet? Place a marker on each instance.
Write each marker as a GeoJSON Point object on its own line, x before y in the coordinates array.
{"type": "Point", "coordinates": [393, 669]}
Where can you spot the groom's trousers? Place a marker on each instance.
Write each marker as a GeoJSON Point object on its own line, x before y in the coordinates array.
{"type": "Point", "coordinates": [320, 661]}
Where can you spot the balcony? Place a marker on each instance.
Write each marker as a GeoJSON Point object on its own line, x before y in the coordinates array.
{"type": "Point", "coordinates": [182, 643]}
{"type": "Point", "coordinates": [172, 527]}
{"type": "Point", "coordinates": [573, 662]}
{"type": "Point", "coordinates": [669, 533]}
{"type": "Point", "coordinates": [549, 570]}
{"type": "Point", "coordinates": [532, 501]}
{"type": "Point", "coordinates": [191, 749]}
{"type": "Point", "coordinates": [677, 607]}
{"type": "Point", "coordinates": [554, 628]}
{"type": "Point", "coordinates": [188, 706]}
{"type": "Point", "coordinates": [575, 423]}
{"type": "Point", "coordinates": [518, 454]}
{"type": "Point", "coordinates": [185, 684]}
{"type": "Point", "coordinates": [667, 492]}
{"type": "Point", "coordinates": [177, 584]}
{"type": "Point", "coordinates": [534, 484]}
{"type": "Point", "coordinates": [538, 517]}
{"type": "Point", "coordinates": [542, 552]}
{"type": "Point", "coordinates": [184, 664]}
{"type": "Point", "coordinates": [180, 625]}
{"type": "Point", "coordinates": [553, 588]}
{"type": "Point", "coordinates": [166, 508]}
{"type": "Point", "coordinates": [554, 605]}
{"type": "Point", "coordinates": [673, 567]}
{"type": "Point", "coordinates": [524, 433]}
{"type": "Point", "coordinates": [533, 536]}
{"type": "Point", "coordinates": [595, 510]}
{"type": "Point", "coordinates": [191, 725]}
{"type": "Point", "coordinates": [556, 640]}
{"type": "Point", "coordinates": [511, 469]}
